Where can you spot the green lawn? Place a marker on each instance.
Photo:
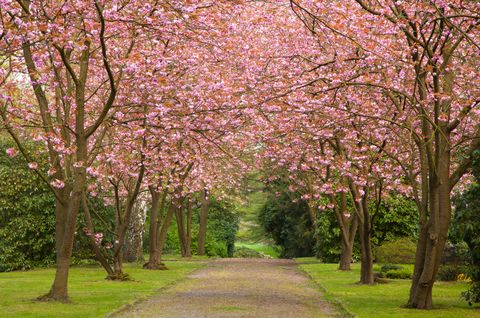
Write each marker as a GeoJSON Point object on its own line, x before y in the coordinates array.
{"type": "Point", "coordinates": [385, 300]}
{"type": "Point", "coordinates": [91, 295]}
{"type": "Point", "coordinates": [260, 247]}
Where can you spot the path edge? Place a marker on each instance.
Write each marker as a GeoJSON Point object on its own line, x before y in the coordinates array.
{"type": "Point", "coordinates": [338, 304]}
{"type": "Point", "coordinates": [129, 305]}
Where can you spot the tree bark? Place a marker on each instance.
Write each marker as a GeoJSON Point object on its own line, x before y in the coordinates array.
{"type": "Point", "coordinates": [432, 239]}
{"type": "Point", "coordinates": [202, 231]}
{"type": "Point", "coordinates": [162, 236]}
{"type": "Point", "coordinates": [366, 276]}
{"type": "Point", "coordinates": [188, 234]}
{"type": "Point", "coordinates": [347, 245]}
{"type": "Point", "coordinates": [179, 216]}
{"type": "Point", "coordinates": [153, 258]}
{"type": "Point", "coordinates": [348, 230]}
{"type": "Point", "coordinates": [59, 289]}
{"type": "Point", "coordinates": [133, 250]}
{"type": "Point", "coordinates": [102, 259]}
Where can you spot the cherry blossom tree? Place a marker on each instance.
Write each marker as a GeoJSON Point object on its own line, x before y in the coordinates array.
{"type": "Point", "coordinates": [420, 57]}
{"type": "Point", "coordinates": [75, 58]}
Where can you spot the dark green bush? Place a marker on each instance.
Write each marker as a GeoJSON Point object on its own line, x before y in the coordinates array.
{"type": "Point", "coordinates": [397, 217]}
{"type": "Point", "coordinates": [399, 274]}
{"type": "Point", "coordinates": [388, 267]}
{"type": "Point", "coordinates": [466, 226]}
{"type": "Point", "coordinates": [456, 253]}
{"type": "Point", "coordinates": [285, 218]}
{"type": "Point", "coordinates": [245, 252]}
{"type": "Point", "coordinates": [327, 237]}
{"type": "Point", "coordinates": [27, 218]}
{"type": "Point", "coordinates": [449, 273]}
{"type": "Point", "coordinates": [399, 251]}
{"type": "Point", "coordinates": [214, 248]}
{"type": "Point", "coordinates": [472, 295]}
{"type": "Point", "coordinates": [223, 224]}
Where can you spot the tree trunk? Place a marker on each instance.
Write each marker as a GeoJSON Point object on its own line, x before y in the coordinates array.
{"type": "Point", "coordinates": [162, 236]}
{"type": "Point", "coordinates": [102, 259]}
{"type": "Point", "coordinates": [133, 250]}
{"type": "Point", "coordinates": [345, 256]}
{"type": "Point", "coordinates": [432, 240]}
{"type": "Point", "coordinates": [153, 258]}
{"type": "Point", "coordinates": [118, 273]}
{"type": "Point", "coordinates": [122, 222]}
{"type": "Point", "coordinates": [188, 238]}
{"type": "Point", "coordinates": [430, 246]}
{"type": "Point", "coordinates": [59, 289]}
{"type": "Point", "coordinates": [179, 215]}
{"type": "Point", "coordinates": [348, 231]}
{"type": "Point", "coordinates": [202, 231]}
{"type": "Point", "coordinates": [366, 271]}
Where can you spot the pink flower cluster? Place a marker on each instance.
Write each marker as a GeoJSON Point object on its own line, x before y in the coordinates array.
{"type": "Point", "coordinates": [11, 152]}
{"type": "Point", "coordinates": [98, 237]}
{"type": "Point", "coordinates": [58, 184]}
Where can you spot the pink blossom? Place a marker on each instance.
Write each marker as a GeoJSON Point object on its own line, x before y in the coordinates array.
{"type": "Point", "coordinates": [98, 238]}
{"type": "Point", "coordinates": [33, 165]}
{"type": "Point", "coordinates": [11, 152]}
{"type": "Point", "coordinates": [59, 184]}
{"type": "Point", "coordinates": [78, 164]}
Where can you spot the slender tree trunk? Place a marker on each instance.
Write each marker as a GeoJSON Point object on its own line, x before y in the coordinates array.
{"type": "Point", "coordinates": [122, 223]}
{"type": "Point", "coordinates": [102, 259]}
{"type": "Point", "coordinates": [345, 257]}
{"type": "Point", "coordinates": [179, 215]}
{"type": "Point", "coordinates": [366, 271]}
{"type": "Point", "coordinates": [348, 231]}
{"type": "Point", "coordinates": [153, 259]}
{"type": "Point", "coordinates": [433, 238]}
{"type": "Point", "coordinates": [202, 231]}
{"type": "Point", "coordinates": [118, 266]}
{"type": "Point", "coordinates": [347, 245]}
{"type": "Point", "coordinates": [133, 250]}
{"type": "Point", "coordinates": [162, 236]}
{"type": "Point", "coordinates": [59, 289]}
{"type": "Point", "coordinates": [188, 238]}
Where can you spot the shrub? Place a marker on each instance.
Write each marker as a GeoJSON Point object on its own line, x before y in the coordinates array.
{"type": "Point", "coordinates": [27, 214]}
{"type": "Point", "coordinates": [285, 218]}
{"type": "Point", "coordinates": [399, 251]}
{"type": "Point", "coordinates": [245, 252]}
{"type": "Point", "coordinates": [472, 295]}
{"type": "Point", "coordinates": [456, 253]}
{"type": "Point", "coordinates": [399, 274]}
{"type": "Point", "coordinates": [389, 267]}
{"type": "Point", "coordinates": [215, 248]}
{"type": "Point", "coordinates": [466, 224]}
{"type": "Point", "coordinates": [449, 273]}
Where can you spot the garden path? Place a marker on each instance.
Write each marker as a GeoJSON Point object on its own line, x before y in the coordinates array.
{"type": "Point", "coordinates": [265, 288]}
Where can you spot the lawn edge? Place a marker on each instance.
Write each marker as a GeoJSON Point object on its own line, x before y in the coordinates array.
{"type": "Point", "coordinates": [136, 301]}
{"type": "Point", "coordinates": [337, 303]}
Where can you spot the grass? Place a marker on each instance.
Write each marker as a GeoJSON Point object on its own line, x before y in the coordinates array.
{"type": "Point", "coordinates": [261, 248]}
{"type": "Point", "coordinates": [385, 300]}
{"type": "Point", "coordinates": [91, 295]}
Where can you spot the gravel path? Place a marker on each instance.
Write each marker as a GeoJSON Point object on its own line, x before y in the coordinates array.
{"type": "Point", "coordinates": [244, 288]}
